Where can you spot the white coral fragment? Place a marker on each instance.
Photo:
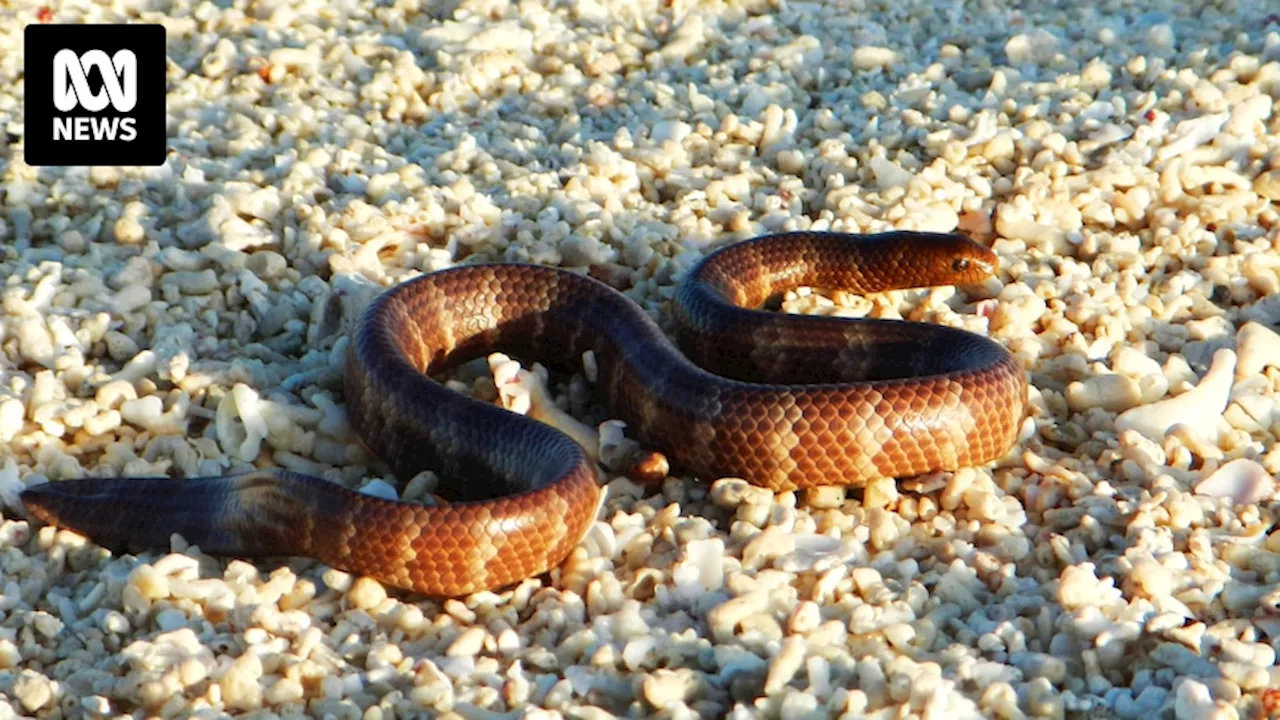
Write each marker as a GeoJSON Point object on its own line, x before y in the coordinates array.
{"type": "Point", "coordinates": [1199, 408]}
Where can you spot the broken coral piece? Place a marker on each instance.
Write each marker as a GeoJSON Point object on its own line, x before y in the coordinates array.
{"type": "Point", "coordinates": [1199, 409]}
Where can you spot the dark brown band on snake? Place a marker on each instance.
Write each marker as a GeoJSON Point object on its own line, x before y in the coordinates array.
{"type": "Point", "coordinates": [798, 401]}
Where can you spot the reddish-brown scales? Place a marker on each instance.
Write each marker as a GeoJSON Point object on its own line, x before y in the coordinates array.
{"type": "Point", "coordinates": [794, 401]}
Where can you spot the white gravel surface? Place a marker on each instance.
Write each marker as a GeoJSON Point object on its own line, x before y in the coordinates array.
{"type": "Point", "coordinates": [1122, 157]}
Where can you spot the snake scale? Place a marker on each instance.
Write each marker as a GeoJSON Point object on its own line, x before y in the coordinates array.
{"type": "Point", "coordinates": [783, 401]}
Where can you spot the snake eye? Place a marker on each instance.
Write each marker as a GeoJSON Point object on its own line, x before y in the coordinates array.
{"type": "Point", "coordinates": [960, 264]}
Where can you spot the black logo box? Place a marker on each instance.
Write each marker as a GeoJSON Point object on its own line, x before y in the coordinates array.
{"type": "Point", "coordinates": [149, 144]}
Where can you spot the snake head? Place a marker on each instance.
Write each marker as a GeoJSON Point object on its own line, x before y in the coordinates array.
{"type": "Point", "coordinates": [954, 259]}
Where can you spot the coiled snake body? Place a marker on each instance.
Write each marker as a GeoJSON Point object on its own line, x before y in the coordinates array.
{"type": "Point", "coordinates": [893, 399]}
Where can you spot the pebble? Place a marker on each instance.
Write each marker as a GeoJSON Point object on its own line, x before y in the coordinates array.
{"type": "Point", "coordinates": [467, 644]}
{"type": "Point", "coordinates": [873, 58]}
{"type": "Point", "coordinates": [784, 665]}
{"type": "Point", "coordinates": [1036, 47]}
{"type": "Point", "coordinates": [1192, 700]}
{"type": "Point", "coordinates": [366, 593]}
{"type": "Point", "coordinates": [32, 690]}
{"type": "Point", "coordinates": [240, 684]}
{"type": "Point", "coordinates": [666, 690]}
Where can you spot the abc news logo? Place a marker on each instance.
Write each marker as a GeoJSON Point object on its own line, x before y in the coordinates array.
{"type": "Point", "coordinates": [71, 90]}
{"type": "Point", "coordinates": [95, 95]}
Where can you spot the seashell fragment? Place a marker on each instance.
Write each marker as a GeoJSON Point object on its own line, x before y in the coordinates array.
{"type": "Point", "coordinates": [1243, 480]}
